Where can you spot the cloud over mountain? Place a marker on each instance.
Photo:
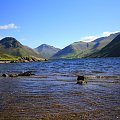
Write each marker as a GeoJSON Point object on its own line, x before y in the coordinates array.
{"type": "Point", "coordinates": [8, 26]}
{"type": "Point", "coordinates": [93, 37]}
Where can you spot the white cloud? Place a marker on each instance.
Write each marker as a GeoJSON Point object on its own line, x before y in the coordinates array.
{"type": "Point", "coordinates": [8, 26]}
{"type": "Point", "coordinates": [88, 38]}
{"type": "Point", "coordinates": [91, 38]}
{"type": "Point", "coordinates": [108, 33]}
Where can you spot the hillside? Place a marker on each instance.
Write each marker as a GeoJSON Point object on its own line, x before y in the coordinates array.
{"type": "Point", "coordinates": [4, 57]}
{"type": "Point", "coordinates": [46, 51]}
{"type": "Point", "coordinates": [11, 47]}
{"type": "Point", "coordinates": [83, 49]}
{"type": "Point", "coordinates": [110, 50]}
{"type": "Point", "coordinates": [103, 41]}
{"type": "Point", "coordinates": [72, 50]}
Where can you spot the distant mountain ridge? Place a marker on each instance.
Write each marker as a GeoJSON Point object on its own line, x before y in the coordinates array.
{"type": "Point", "coordinates": [46, 51]}
{"type": "Point", "coordinates": [83, 49]}
{"type": "Point", "coordinates": [11, 47]}
{"type": "Point", "coordinates": [71, 50]}
{"type": "Point", "coordinates": [110, 50]}
{"type": "Point", "coordinates": [103, 41]}
{"type": "Point", "coordinates": [108, 46]}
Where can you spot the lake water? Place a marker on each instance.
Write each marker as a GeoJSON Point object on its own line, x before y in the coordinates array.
{"type": "Point", "coordinates": [52, 93]}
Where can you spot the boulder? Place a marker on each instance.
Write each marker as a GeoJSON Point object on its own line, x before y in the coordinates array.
{"type": "Point", "coordinates": [4, 75]}
{"type": "Point", "coordinates": [46, 60]}
{"type": "Point", "coordinates": [81, 80]}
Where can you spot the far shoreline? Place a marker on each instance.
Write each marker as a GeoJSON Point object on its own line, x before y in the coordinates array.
{"type": "Point", "coordinates": [17, 61]}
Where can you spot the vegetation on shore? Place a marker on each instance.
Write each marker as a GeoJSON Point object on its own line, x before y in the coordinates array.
{"type": "Point", "coordinates": [6, 57]}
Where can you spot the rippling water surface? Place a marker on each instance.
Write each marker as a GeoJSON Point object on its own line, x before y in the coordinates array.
{"type": "Point", "coordinates": [52, 93]}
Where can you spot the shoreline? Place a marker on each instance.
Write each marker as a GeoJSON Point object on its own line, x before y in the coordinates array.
{"type": "Point", "coordinates": [22, 59]}
{"type": "Point", "coordinates": [25, 61]}
{"type": "Point", "coordinates": [2, 61]}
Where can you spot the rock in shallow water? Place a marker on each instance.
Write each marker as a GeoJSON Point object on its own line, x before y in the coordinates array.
{"type": "Point", "coordinates": [28, 73]}
{"type": "Point", "coordinates": [4, 75]}
{"type": "Point", "coordinates": [13, 75]}
{"type": "Point", "coordinates": [81, 80]}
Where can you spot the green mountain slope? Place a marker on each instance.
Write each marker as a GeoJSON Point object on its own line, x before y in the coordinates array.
{"type": "Point", "coordinates": [10, 46]}
{"type": "Point", "coordinates": [103, 41]}
{"type": "Point", "coordinates": [72, 50]}
{"type": "Point", "coordinates": [46, 51]}
{"type": "Point", "coordinates": [7, 57]}
{"type": "Point", "coordinates": [83, 49]}
{"type": "Point", "coordinates": [98, 44]}
{"type": "Point", "coordinates": [110, 50]}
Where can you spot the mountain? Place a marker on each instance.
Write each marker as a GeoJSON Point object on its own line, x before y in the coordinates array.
{"type": "Point", "coordinates": [110, 50]}
{"type": "Point", "coordinates": [46, 51]}
{"type": "Point", "coordinates": [11, 47]}
{"type": "Point", "coordinates": [83, 49]}
{"type": "Point", "coordinates": [72, 50]}
{"type": "Point", "coordinates": [103, 41]}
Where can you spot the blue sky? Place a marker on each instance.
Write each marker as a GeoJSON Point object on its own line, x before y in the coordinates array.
{"type": "Point", "coordinates": [58, 22]}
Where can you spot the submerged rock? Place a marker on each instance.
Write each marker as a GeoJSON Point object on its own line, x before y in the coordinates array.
{"type": "Point", "coordinates": [13, 75]}
{"type": "Point", "coordinates": [4, 75]}
{"type": "Point", "coordinates": [81, 80]}
{"type": "Point", "coordinates": [28, 73]}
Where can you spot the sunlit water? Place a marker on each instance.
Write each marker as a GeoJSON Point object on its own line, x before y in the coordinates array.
{"type": "Point", "coordinates": [52, 93]}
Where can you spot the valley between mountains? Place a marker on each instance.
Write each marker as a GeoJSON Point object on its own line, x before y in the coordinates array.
{"type": "Point", "coordinates": [12, 50]}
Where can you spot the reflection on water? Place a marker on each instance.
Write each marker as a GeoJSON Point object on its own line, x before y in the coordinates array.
{"type": "Point", "coordinates": [57, 96]}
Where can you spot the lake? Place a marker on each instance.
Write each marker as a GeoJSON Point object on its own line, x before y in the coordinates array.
{"type": "Point", "coordinates": [52, 93]}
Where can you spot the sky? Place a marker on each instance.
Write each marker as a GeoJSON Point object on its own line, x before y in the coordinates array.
{"type": "Point", "coordinates": [58, 22]}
